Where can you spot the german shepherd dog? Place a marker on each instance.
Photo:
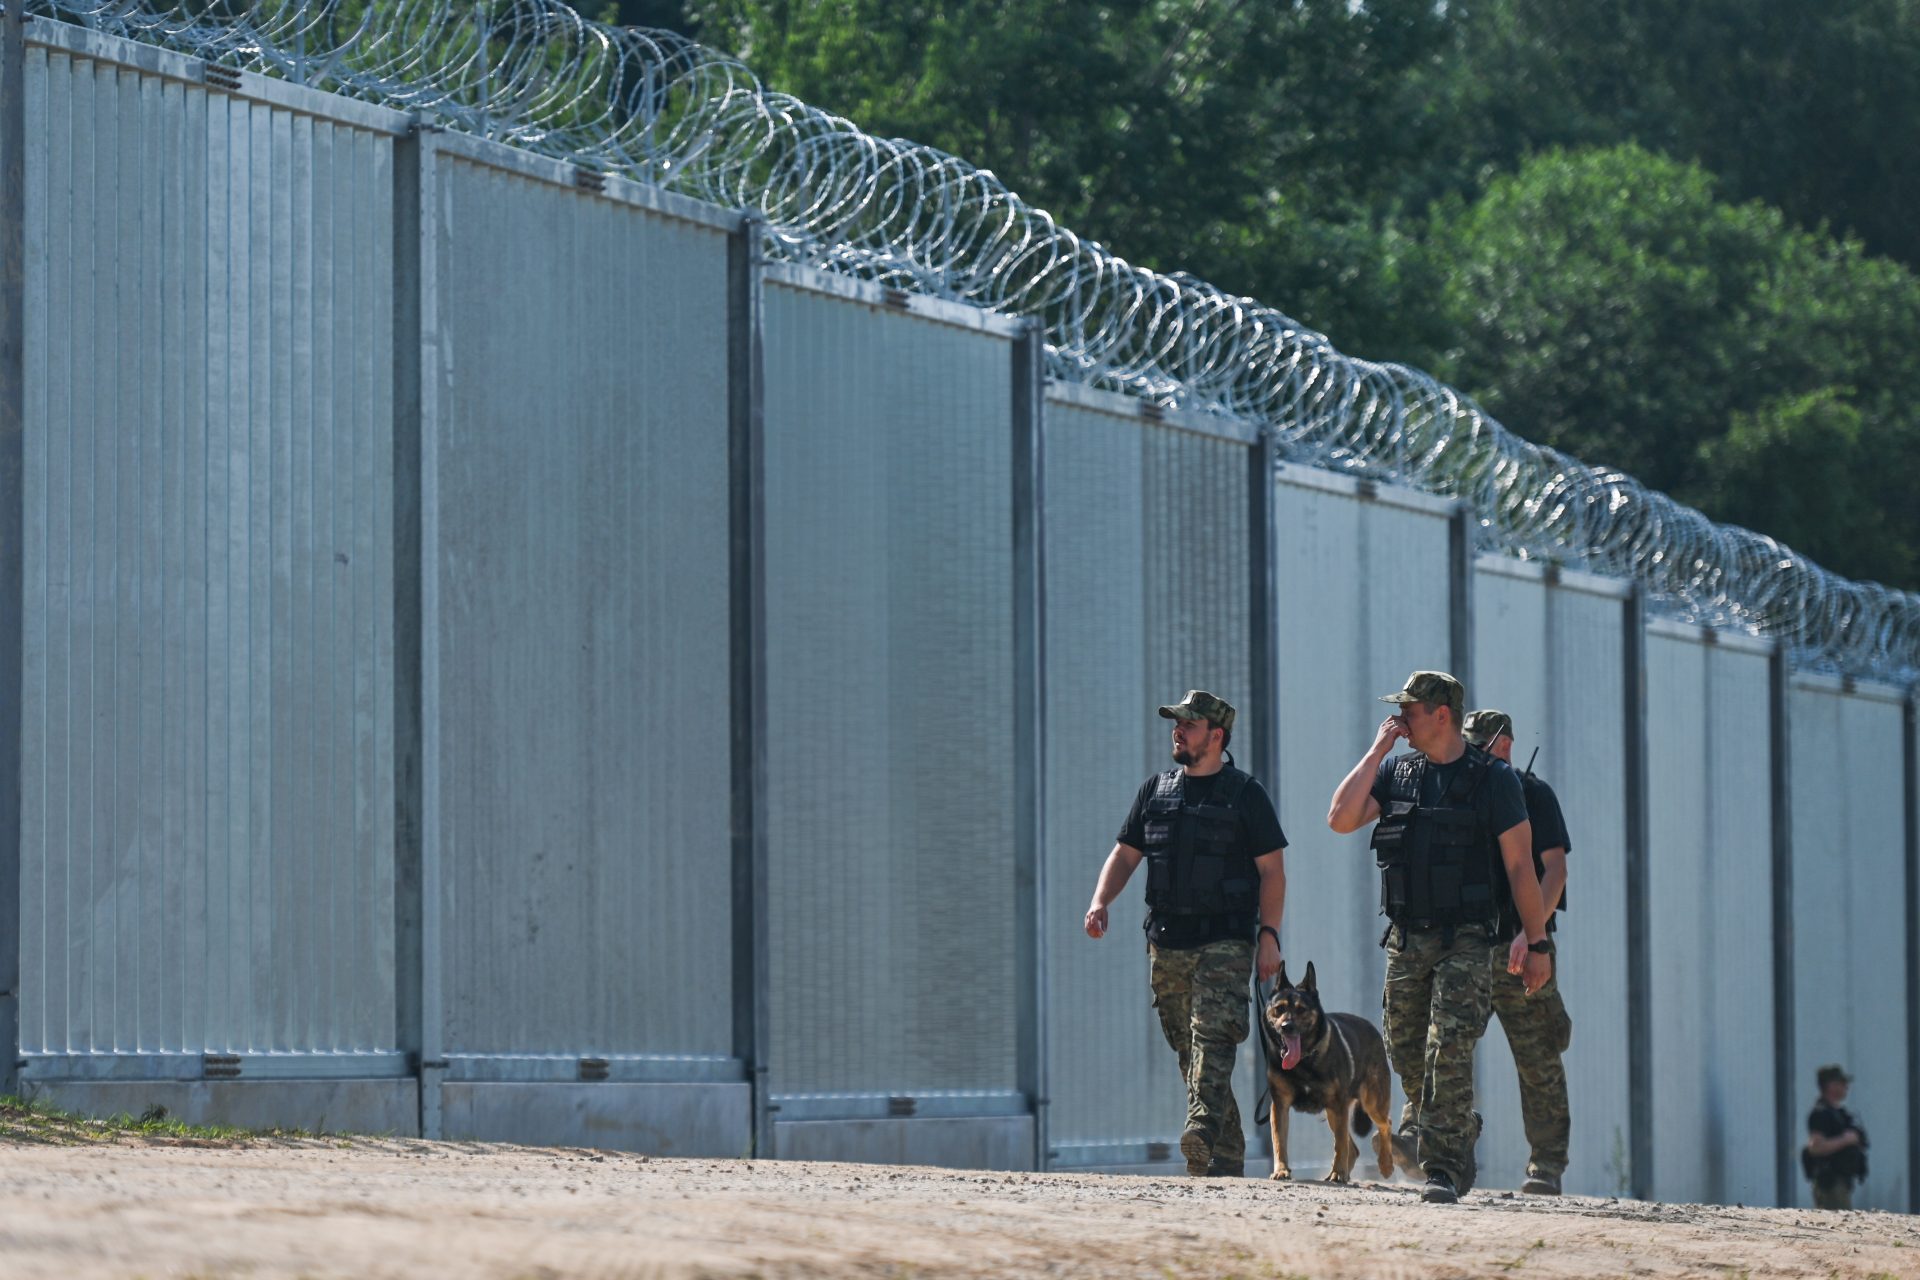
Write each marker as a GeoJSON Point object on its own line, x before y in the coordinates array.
{"type": "Point", "coordinates": [1331, 1062]}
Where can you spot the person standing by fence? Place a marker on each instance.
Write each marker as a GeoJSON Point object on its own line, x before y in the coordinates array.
{"type": "Point", "coordinates": [1835, 1156]}
{"type": "Point", "coordinates": [1538, 1027]}
{"type": "Point", "coordinates": [1216, 886]}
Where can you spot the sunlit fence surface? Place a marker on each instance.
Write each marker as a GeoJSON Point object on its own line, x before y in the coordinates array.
{"type": "Point", "coordinates": [660, 109]}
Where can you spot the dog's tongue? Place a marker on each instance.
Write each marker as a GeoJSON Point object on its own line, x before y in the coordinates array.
{"type": "Point", "coordinates": [1289, 1052]}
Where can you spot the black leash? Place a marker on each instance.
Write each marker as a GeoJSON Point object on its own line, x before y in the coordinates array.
{"type": "Point", "coordinates": [1264, 1106]}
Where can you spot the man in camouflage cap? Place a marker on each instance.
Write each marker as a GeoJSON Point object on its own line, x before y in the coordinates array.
{"type": "Point", "coordinates": [1451, 837]}
{"type": "Point", "coordinates": [1537, 1026]}
{"type": "Point", "coordinates": [1216, 884]}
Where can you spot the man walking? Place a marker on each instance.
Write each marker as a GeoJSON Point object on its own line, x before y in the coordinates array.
{"type": "Point", "coordinates": [1216, 885]}
{"type": "Point", "coordinates": [1451, 839]}
{"type": "Point", "coordinates": [1537, 1026]}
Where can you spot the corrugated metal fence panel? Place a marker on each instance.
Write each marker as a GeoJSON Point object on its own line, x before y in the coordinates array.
{"type": "Point", "coordinates": [1551, 656]}
{"type": "Point", "coordinates": [1363, 599]}
{"type": "Point", "coordinates": [208, 806]}
{"type": "Point", "coordinates": [1196, 617]}
{"type": "Point", "coordinates": [583, 637]}
{"type": "Point", "coordinates": [1511, 661]}
{"type": "Point", "coordinates": [1148, 596]}
{"type": "Point", "coordinates": [1710, 917]}
{"type": "Point", "coordinates": [1849, 920]}
{"type": "Point", "coordinates": [890, 694]}
{"type": "Point", "coordinates": [1584, 755]}
{"type": "Point", "coordinates": [1113, 1078]}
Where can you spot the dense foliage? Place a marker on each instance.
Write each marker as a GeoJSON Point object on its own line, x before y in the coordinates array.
{"type": "Point", "coordinates": [1673, 236]}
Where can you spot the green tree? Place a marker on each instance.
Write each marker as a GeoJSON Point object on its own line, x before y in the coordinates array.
{"type": "Point", "coordinates": [1241, 142]}
{"type": "Point", "coordinates": [1610, 304]}
{"type": "Point", "coordinates": [1794, 102]}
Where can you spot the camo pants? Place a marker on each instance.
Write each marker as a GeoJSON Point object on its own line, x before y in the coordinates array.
{"type": "Point", "coordinates": [1434, 1009]}
{"type": "Point", "coordinates": [1201, 996]}
{"type": "Point", "coordinates": [1833, 1195]}
{"type": "Point", "coordinates": [1538, 1031]}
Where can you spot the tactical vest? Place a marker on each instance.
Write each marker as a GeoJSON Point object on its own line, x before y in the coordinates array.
{"type": "Point", "coordinates": [1439, 865]}
{"type": "Point", "coordinates": [1197, 859]}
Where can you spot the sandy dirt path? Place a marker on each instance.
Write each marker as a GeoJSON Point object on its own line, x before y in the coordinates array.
{"type": "Point", "coordinates": [366, 1208]}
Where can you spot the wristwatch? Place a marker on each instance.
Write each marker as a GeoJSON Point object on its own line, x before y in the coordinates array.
{"type": "Point", "coordinates": [1544, 947]}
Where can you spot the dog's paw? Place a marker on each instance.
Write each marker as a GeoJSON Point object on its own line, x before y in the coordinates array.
{"type": "Point", "coordinates": [1280, 1174]}
{"type": "Point", "coordinates": [1334, 1177]}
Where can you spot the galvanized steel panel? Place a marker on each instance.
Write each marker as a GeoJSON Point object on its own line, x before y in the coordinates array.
{"type": "Point", "coordinates": [1363, 599]}
{"type": "Point", "coordinates": [207, 827]}
{"type": "Point", "coordinates": [1147, 597]}
{"type": "Point", "coordinates": [1553, 658]}
{"type": "Point", "coordinates": [1710, 917]}
{"type": "Point", "coordinates": [1849, 920]}
{"type": "Point", "coordinates": [579, 487]}
{"type": "Point", "coordinates": [889, 667]}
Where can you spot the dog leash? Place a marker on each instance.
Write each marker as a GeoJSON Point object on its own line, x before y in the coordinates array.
{"type": "Point", "coordinates": [1264, 1106]}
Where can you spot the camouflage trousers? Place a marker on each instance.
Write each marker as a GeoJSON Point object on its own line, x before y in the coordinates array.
{"type": "Point", "coordinates": [1434, 1009]}
{"type": "Point", "coordinates": [1201, 996]}
{"type": "Point", "coordinates": [1833, 1195]}
{"type": "Point", "coordinates": [1538, 1031]}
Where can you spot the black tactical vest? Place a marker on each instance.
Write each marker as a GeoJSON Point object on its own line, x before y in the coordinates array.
{"type": "Point", "coordinates": [1440, 865]}
{"type": "Point", "coordinates": [1197, 859]}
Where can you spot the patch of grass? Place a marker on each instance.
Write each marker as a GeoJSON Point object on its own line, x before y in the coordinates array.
{"type": "Point", "coordinates": [31, 1120]}
{"type": "Point", "coordinates": [1515, 1264]}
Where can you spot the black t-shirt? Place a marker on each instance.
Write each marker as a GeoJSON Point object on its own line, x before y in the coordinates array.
{"type": "Point", "coordinates": [1549, 832]}
{"type": "Point", "coordinates": [1828, 1120]}
{"type": "Point", "coordinates": [1261, 826]}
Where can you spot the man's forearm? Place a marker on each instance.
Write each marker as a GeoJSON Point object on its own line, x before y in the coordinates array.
{"type": "Point", "coordinates": [1114, 874]}
{"type": "Point", "coordinates": [1273, 893]}
{"type": "Point", "coordinates": [1554, 882]}
{"type": "Point", "coordinates": [1516, 850]}
{"type": "Point", "coordinates": [1821, 1145]}
{"type": "Point", "coordinates": [1350, 797]}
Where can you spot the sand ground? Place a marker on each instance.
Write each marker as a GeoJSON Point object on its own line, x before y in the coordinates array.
{"type": "Point", "coordinates": [300, 1207]}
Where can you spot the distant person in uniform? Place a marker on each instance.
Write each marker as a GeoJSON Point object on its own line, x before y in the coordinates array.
{"type": "Point", "coordinates": [1451, 840]}
{"type": "Point", "coordinates": [1216, 885]}
{"type": "Point", "coordinates": [1835, 1156]}
{"type": "Point", "coordinates": [1537, 1026]}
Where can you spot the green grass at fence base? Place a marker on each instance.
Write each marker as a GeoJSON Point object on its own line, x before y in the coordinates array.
{"type": "Point", "coordinates": [24, 1120]}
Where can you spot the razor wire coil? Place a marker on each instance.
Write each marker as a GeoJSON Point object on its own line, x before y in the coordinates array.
{"type": "Point", "coordinates": [658, 108]}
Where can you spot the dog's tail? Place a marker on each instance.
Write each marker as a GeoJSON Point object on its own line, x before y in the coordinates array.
{"type": "Point", "coordinates": [1362, 1122]}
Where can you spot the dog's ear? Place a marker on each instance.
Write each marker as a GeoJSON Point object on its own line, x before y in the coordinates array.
{"type": "Point", "coordinates": [1280, 978]}
{"type": "Point", "coordinates": [1306, 983]}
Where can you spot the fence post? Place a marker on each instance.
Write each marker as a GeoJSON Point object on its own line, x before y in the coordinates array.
{"type": "Point", "coordinates": [1264, 610]}
{"type": "Point", "coordinates": [1779, 703]}
{"type": "Point", "coordinates": [746, 467]}
{"type": "Point", "coordinates": [1640, 1045]}
{"type": "Point", "coordinates": [13, 333]}
{"type": "Point", "coordinates": [1910, 785]}
{"type": "Point", "coordinates": [1029, 718]}
{"type": "Point", "coordinates": [1460, 597]}
{"type": "Point", "coordinates": [416, 853]}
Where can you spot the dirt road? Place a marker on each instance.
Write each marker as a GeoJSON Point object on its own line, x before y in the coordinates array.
{"type": "Point", "coordinates": [326, 1208]}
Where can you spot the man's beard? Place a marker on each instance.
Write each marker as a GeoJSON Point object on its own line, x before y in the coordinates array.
{"type": "Point", "coordinates": [1183, 756]}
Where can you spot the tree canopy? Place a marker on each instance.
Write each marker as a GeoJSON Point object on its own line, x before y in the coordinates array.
{"type": "Point", "coordinates": [1672, 236]}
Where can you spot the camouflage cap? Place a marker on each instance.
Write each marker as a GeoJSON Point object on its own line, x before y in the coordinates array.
{"type": "Point", "coordinates": [1482, 727]}
{"type": "Point", "coordinates": [1431, 686]}
{"type": "Point", "coordinates": [1201, 705]}
{"type": "Point", "coordinates": [1831, 1072]}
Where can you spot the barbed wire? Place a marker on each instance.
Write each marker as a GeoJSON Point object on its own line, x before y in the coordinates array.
{"type": "Point", "coordinates": [661, 109]}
